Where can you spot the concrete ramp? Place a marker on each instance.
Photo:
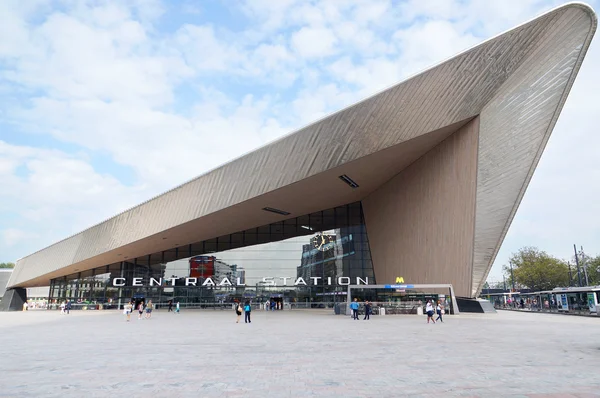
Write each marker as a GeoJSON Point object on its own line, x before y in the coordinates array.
{"type": "Point", "coordinates": [466, 304]}
{"type": "Point", "coordinates": [13, 299]}
{"type": "Point", "coordinates": [486, 306]}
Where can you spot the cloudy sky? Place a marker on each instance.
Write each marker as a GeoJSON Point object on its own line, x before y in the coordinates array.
{"type": "Point", "coordinates": [106, 104]}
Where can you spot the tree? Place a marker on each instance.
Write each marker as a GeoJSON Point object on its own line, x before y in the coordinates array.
{"type": "Point", "coordinates": [537, 270]}
{"type": "Point", "coordinates": [593, 270]}
{"type": "Point", "coordinates": [589, 265]}
{"type": "Point", "coordinates": [7, 265]}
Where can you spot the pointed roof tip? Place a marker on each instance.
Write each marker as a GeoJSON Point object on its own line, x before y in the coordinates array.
{"type": "Point", "coordinates": [580, 4]}
{"type": "Point", "coordinates": [585, 7]}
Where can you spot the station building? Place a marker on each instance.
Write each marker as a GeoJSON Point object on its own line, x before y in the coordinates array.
{"type": "Point", "coordinates": [419, 183]}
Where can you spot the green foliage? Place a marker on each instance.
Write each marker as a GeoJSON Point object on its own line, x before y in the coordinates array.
{"type": "Point", "coordinates": [7, 265]}
{"type": "Point", "coordinates": [537, 270]}
{"type": "Point", "coordinates": [592, 265]}
{"type": "Point", "coordinates": [593, 270]}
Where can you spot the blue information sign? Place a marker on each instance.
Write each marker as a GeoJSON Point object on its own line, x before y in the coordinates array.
{"type": "Point", "coordinates": [399, 286]}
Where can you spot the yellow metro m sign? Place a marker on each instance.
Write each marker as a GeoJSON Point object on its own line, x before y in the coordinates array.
{"type": "Point", "coordinates": [399, 279]}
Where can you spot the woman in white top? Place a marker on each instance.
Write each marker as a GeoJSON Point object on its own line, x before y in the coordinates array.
{"type": "Point", "coordinates": [439, 310]}
{"type": "Point", "coordinates": [429, 310]}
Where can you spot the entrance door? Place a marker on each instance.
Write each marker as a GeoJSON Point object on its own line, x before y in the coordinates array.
{"type": "Point", "coordinates": [137, 302]}
{"type": "Point", "coordinates": [278, 303]}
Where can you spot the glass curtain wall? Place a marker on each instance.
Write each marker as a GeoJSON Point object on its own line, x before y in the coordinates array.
{"type": "Point", "coordinates": [316, 249]}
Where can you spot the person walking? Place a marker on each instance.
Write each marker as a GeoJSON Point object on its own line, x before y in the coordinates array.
{"type": "Point", "coordinates": [177, 308]}
{"type": "Point", "coordinates": [149, 309]}
{"type": "Point", "coordinates": [170, 306]}
{"type": "Point", "coordinates": [238, 312]}
{"type": "Point", "coordinates": [127, 311]}
{"type": "Point", "coordinates": [429, 310]}
{"type": "Point", "coordinates": [68, 306]}
{"type": "Point", "coordinates": [247, 311]}
{"type": "Point", "coordinates": [367, 311]}
{"type": "Point", "coordinates": [140, 309]}
{"type": "Point", "coordinates": [354, 307]}
{"type": "Point", "coordinates": [439, 310]}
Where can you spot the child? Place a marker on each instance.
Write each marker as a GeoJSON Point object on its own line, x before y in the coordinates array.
{"type": "Point", "coordinates": [127, 310]}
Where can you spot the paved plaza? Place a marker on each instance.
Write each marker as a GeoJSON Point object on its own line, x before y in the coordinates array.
{"type": "Point", "coordinates": [297, 354]}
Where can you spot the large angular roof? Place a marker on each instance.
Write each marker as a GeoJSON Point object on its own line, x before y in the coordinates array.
{"type": "Point", "coordinates": [516, 82]}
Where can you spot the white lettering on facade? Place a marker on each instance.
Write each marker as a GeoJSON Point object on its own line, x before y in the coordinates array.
{"type": "Point", "coordinates": [343, 280]}
{"type": "Point", "coordinates": [191, 281]}
{"type": "Point", "coordinates": [225, 282]}
{"type": "Point", "coordinates": [268, 281]}
{"type": "Point", "coordinates": [119, 284]}
{"type": "Point", "coordinates": [208, 282]}
{"type": "Point", "coordinates": [155, 281]}
{"type": "Point", "coordinates": [300, 281]}
{"type": "Point", "coordinates": [361, 281]}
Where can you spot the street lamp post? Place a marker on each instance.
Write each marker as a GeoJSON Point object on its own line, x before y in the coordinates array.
{"type": "Point", "coordinates": [512, 276]}
{"type": "Point", "coordinates": [577, 262]}
{"type": "Point", "coordinates": [584, 265]}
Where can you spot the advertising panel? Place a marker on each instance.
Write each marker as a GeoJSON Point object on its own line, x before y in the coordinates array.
{"type": "Point", "coordinates": [592, 301]}
{"type": "Point", "coordinates": [202, 267]}
{"type": "Point", "coordinates": [563, 302]}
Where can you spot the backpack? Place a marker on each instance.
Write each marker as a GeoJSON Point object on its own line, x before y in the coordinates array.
{"type": "Point", "coordinates": [247, 308]}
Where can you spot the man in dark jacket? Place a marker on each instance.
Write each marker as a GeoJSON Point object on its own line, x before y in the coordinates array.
{"type": "Point", "coordinates": [68, 306]}
{"type": "Point", "coordinates": [367, 310]}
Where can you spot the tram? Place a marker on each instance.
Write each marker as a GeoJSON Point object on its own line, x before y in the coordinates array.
{"type": "Point", "coordinates": [571, 300]}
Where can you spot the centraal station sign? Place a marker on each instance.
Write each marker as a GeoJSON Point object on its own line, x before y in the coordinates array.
{"type": "Point", "coordinates": [226, 282]}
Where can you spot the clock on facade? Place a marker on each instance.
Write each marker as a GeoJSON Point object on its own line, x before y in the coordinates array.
{"type": "Point", "coordinates": [323, 242]}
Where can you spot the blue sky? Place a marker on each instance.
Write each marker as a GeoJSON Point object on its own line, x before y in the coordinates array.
{"type": "Point", "coordinates": [106, 104]}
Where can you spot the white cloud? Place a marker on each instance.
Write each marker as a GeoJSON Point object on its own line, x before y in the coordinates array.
{"type": "Point", "coordinates": [314, 42]}
{"type": "Point", "coordinates": [203, 51]}
{"type": "Point", "coordinates": [54, 195]}
{"type": "Point", "coordinates": [13, 236]}
{"type": "Point", "coordinates": [422, 45]}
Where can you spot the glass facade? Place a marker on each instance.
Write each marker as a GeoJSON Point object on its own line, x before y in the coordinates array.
{"type": "Point", "coordinates": [295, 262]}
